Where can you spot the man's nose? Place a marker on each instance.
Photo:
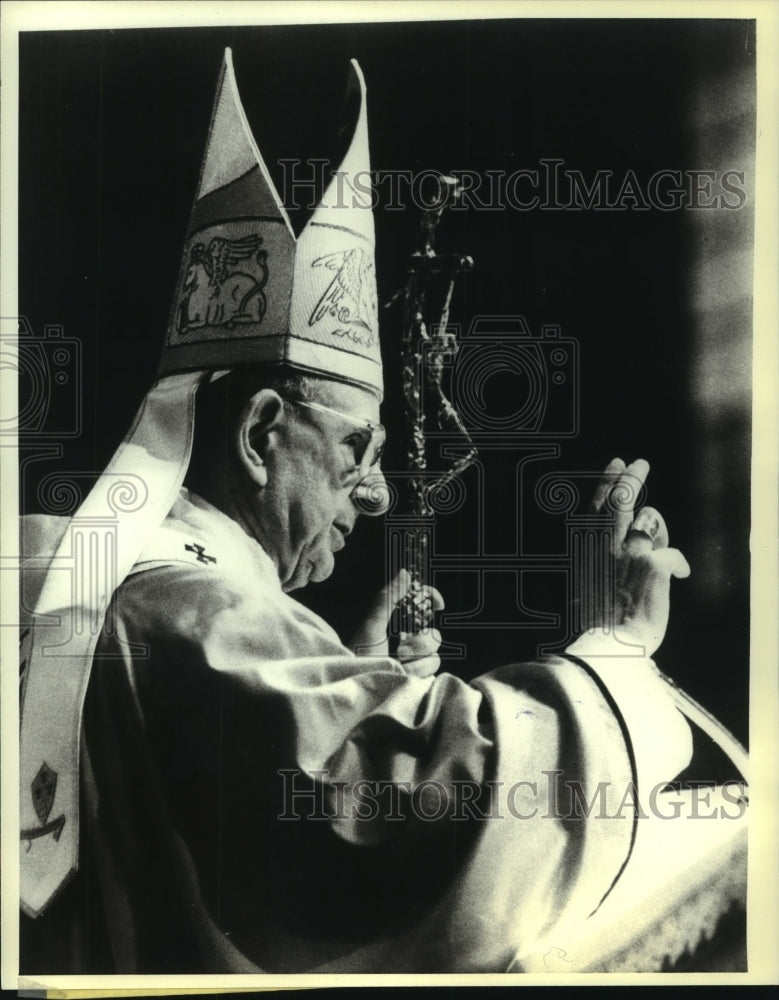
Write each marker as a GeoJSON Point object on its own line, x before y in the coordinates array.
{"type": "Point", "coordinates": [371, 496]}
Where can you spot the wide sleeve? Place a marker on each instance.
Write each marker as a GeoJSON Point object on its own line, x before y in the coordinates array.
{"type": "Point", "coordinates": [340, 814]}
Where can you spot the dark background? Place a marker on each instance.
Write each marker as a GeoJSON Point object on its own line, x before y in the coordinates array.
{"type": "Point", "coordinates": [112, 130]}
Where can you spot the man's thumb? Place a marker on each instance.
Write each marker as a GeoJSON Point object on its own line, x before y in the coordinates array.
{"type": "Point", "coordinates": [671, 562]}
{"type": "Point", "coordinates": [397, 589]}
{"type": "Point", "coordinates": [389, 596]}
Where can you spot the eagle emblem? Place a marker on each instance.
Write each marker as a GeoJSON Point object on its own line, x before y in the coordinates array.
{"type": "Point", "coordinates": [351, 296]}
{"type": "Point", "coordinates": [224, 284]}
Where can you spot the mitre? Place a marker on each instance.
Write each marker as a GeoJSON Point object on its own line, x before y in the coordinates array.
{"type": "Point", "coordinates": [248, 292]}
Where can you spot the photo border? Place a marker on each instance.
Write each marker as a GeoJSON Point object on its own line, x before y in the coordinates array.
{"type": "Point", "coordinates": [763, 895]}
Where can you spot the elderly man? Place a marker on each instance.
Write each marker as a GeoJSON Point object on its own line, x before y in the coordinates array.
{"type": "Point", "coordinates": [213, 781]}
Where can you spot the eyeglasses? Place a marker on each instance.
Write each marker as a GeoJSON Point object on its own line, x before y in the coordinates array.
{"type": "Point", "coordinates": [367, 448]}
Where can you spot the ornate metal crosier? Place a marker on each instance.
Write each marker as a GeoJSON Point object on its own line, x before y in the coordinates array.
{"type": "Point", "coordinates": [426, 346]}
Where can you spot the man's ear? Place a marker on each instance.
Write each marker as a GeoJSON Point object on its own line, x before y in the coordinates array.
{"type": "Point", "coordinates": [261, 415]}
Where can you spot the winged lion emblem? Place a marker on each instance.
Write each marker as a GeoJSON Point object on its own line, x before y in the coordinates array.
{"type": "Point", "coordinates": [224, 283]}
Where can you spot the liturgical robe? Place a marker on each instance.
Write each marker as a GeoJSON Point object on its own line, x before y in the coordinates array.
{"type": "Point", "coordinates": [255, 797]}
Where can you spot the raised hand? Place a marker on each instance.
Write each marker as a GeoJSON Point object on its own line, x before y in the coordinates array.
{"type": "Point", "coordinates": [635, 608]}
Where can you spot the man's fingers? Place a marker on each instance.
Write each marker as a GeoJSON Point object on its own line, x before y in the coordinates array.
{"type": "Point", "coordinates": [372, 635]}
{"type": "Point", "coordinates": [397, 589]}
{"type": "Point", "coordinates": [651, 523]}
{"type": "Point", "coordinates": [646, 533]}
{"type": "Point", "coordinates": [650, 568]}
{"type": "Point", "coordinates": [394, 591]}
{"type": "Point", "coordinates": [374, 628]}
{"type": "Point", "coordinates": [622, 498]}
{"type": "Point", "coordinates": [435, 596]}
{"type": "Point", "coordinates": [610, 475]}
{"type": "Point", "coordinates": [419, 652]}
{"type": "Point", "coordinates": [413, 647]}
{"type": "Point", "coordinates": [400, 586]}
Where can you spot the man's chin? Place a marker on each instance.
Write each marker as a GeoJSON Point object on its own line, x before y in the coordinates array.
{"type": "Point", "coordinates": [321, 569]}
{"type": "Point", "coordinates": [310, 571]}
